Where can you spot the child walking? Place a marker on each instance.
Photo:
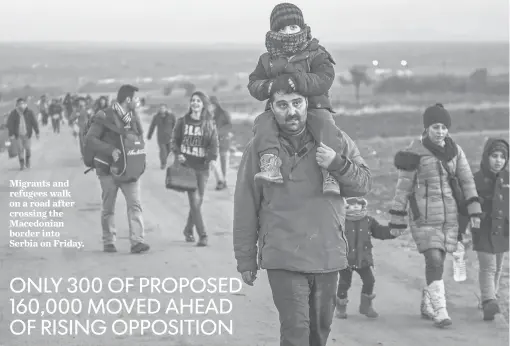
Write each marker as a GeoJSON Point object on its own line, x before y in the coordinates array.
{"type": "Point", "coordinates": [297, 60]}
{"type": "Point", "coordinates": [359, 228]}
{"type": "Point", "coordinates": [490, 241]}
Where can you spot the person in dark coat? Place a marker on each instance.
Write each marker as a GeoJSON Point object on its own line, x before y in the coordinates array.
{"type": "Point", "coordinates": [359, 229]}
{"type": "Point", "coordinates": [490, 241]}
{"type": "Point", "coordinates": [164, 121]}
{"type": "Point", "coordinates": [21, 124]}
{"type": "Point", "coordinates": [56, 114]}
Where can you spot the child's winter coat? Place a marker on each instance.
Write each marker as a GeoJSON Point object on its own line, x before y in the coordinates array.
{"type": "Point", "coordinates": [492, 237]}
{"type": "Point", "coordinates": [312, 71]}
{"type": "Point", "coordinates": [359, 230]}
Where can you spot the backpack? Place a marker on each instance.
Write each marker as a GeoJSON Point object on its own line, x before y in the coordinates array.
{"type": "Point", "coordinates": [88, 155]}
{"type": "Point", "coordinates": [132, 161]}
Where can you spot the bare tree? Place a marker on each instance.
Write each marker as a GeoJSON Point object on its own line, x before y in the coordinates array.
{"type": "Point", "coordinates": [359, 76]}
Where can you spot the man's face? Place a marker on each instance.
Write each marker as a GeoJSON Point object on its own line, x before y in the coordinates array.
{"type": "Point", "coordinates": [290, 111]}
{"type": "Point", "coordinates": [134, 103]}
{"type": "Point", "coordinates": [22, 105]}
{"type": "Point", "coordinates": [81, 104]}
{"type": "Point", "coordinates": [162, 109]}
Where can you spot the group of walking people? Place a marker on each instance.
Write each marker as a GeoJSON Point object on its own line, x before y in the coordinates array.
{"type": "Point", "coordinates": [300, 207]}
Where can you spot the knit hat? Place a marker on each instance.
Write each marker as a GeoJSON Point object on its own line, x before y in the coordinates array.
{"type": "Point", "coordinates": [436, 114]}
{"type": "Point", "coordinates": [499, 146]}
{"type": "Point", "coordinates": [286, 14]}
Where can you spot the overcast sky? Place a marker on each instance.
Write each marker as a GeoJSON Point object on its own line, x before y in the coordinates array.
{"type": "Point", "coordinates": [246, 21]}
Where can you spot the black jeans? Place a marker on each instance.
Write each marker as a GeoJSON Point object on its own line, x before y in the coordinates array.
{"type": "Point", "coordinates": [345, 281]}
{"type": "Point", "coordinates": [305, 304]}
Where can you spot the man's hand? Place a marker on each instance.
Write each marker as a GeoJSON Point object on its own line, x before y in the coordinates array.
{"type": "Point", "coordinates": [181, 158]}
{"type": "Point", "coordinates": [249, 277]}
{"type": "Point", "coordinates": [324, 156]}
{"type": "Point", "coordinates": [116, 154]}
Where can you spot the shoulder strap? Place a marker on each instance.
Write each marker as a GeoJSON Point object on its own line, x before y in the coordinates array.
{"type": "Point", "coordinates": [115, 128]}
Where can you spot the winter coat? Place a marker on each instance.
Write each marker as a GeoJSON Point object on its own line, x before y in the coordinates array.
{"type": "Point", "coordinates": [312, 70]}
{"type": "Point", "coordinates": [359, 235]}
{"type": "Point", "coordinates": [492, 236]}
{"type": "Point", "coordinates": [295, 226]}
{"type": "Point", "coordinates": [165, 124]}
{"type": "Point", "coordinates": [13, 122]}
{"type": "Point", "coordinates": [423, 185]}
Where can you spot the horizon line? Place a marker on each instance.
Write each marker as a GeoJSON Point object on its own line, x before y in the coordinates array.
{"type": "Point", "coordinates": [227, 43]}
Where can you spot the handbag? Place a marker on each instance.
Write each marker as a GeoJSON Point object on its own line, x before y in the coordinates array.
{"type": "Point", "coordinates": [457, 192]}
{"type": "Point", "coordinates": [14, 148]}
{"type": "Point", "coordinates": [181, 178]}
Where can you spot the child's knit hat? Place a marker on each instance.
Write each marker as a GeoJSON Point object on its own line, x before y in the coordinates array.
{"type": "Point", "coordinates": [286, 14]}
{"type": "Point", "coordinates": [436, 114]}
{"type": "Point", "coordinates": [499, 146]}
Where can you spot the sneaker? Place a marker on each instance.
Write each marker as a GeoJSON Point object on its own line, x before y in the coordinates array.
{"type": "Point", "coordinates": [188, 236]}
{"type": "Point", "coordinates": [139, 248]}
{"type": "Point", "coordinates": [221, 185]}
{"type": "Point", "coordinates": [270, 169]}
{"type": "Point", "coordinates": [202, 241]}
{"type": "Point", "coordinates": [109, 248]}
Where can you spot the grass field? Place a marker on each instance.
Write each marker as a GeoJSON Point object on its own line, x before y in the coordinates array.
{"type": "Point", "coordinates": [397, 125]}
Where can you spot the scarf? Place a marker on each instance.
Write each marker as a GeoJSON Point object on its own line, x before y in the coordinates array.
{"type": "Point", "coordinates": [279, 44]}
{"type": "Point", "coordinates": [446, 153]}
{"type": "Point", "coordinates": [125, 116]}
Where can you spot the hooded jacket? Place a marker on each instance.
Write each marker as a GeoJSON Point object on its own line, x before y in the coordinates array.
{"type": "Point", "coordinates": [312, 70]}
{"type": "Point", "coordinates": [359, 230]}
{"type": "Point", "coordinates": [492, 237]}
{"type": "Point", "coordinates": [423, 181]}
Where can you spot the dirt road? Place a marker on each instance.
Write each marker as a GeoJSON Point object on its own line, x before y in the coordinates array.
{"type": "Point", "coordinates": [399, 272]}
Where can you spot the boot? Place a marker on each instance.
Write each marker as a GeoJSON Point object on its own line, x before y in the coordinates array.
{"type": "Point", "coordinates": [270, 169]}
{"type": "Point", "coordinates": [21, 164]}
{"type": "Point", "coordinates": [341, 308]}
{"type": "Point", "coordinates": [427, 311]}
{"type": "Point", "coordinates": [438, 300]}
{"type": "Point", "coordinates": [27, 161]}
{"type": "Point", "coordinates": [365, 306]}
{"type": "Point", "coordinates": [330, 185]}
{"type": "Point", "coordinates": [490, 309]}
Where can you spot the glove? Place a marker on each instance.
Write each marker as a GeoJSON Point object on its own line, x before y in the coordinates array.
{"type": "Point", "coordinates": [284, 83]}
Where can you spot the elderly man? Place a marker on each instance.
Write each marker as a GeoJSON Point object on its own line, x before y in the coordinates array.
{"type": "Point", "coordinates": [299, 230]}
